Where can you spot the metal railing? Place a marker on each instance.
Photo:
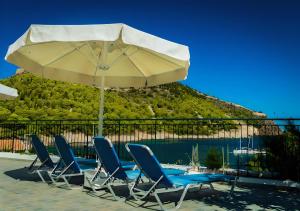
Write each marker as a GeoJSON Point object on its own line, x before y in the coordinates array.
{"type": "Point", "coordinates": [171, 139]}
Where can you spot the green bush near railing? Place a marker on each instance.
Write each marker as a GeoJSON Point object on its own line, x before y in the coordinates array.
{"type": "Point", "coordinates": [213, 159]}
{"type": "Point", "coordinates": [258, 163]}
{"type": "Point", "coordinates": [283, 153]}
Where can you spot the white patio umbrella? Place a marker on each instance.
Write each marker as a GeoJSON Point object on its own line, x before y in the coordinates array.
{"type": "Point", "coordinates": [107, 55]}
{"type": "Point", "coordinates": [7, 93]}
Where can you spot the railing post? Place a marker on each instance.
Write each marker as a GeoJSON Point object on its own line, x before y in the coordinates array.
{"type": "Point", "coordinates": [119, 136]}
{"type": "Point", "coordinates": [87, 140]}
{"type": "Point", "coordinates": [13, 143]}
{"type": "Point", "coordinates": [155, 129]}
{"type": "Point", "coordinates": [60, 127]}
{"type": "Point", "coordinates": [238, 157]}
{"type": "Point", "coordinates": [247, 164]}
{"type": "Point", "coordinates": [36, 126]}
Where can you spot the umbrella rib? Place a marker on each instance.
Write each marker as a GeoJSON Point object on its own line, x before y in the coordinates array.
{"type": "Point", "coordinates": [92, 51]}
{"type": "Point", "coordinates": [63, 55]}
{"type": "Point", "coordinates": [91, 61]}
{"type": "Point", "coordinates": [134, 64]}
{"type": "Point", "coordinates": [123, 52]}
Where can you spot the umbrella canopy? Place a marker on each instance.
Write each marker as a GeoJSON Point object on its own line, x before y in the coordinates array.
{"type": "Point", "coordinates": [7, 93]}
{"type": "Point", "coordinates": [108, 55]}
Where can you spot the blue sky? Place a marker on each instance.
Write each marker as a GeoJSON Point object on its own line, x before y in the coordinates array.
{"type": "Point", "coordinates": [246, 52]}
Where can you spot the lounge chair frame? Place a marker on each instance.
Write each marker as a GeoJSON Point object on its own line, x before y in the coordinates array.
{"type": "Point", "coordinates": [155, 190]}
{"type": "Point", "coordinates": [109, 179]}
{"type": "Point", "coordinates": [63, 173]}
{"type": "Point", "coordinates": [39, 169]}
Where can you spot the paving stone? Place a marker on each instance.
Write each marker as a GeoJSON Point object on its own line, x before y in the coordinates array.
{"type": "Point", "coordinates": [22, 191]}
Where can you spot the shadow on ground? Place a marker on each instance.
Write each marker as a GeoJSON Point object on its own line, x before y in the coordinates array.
{"type": "Point", "coordinates": [258, 196]}
{"type": "Point", "coordinates": [251, 197]}
{"type": "Point", "coordinates": [24, 174]}
{"type": "Point", "coordinates": [246, 197]}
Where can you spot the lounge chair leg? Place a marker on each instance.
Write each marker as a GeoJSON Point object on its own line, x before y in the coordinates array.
{"type": "Point", "coordinates": [32, 164]}
{"type": "Point", "coordinates": [182, 197]}
{"type": "Point", "coordinates": [52, 179]}
{"type": "Point", "coordinates": [158, 201]}
{"type": "Point", "coordinates": [67, 182]}
{"type": "Point", "coordinates": [232, 187]}
{"type": "Point", "coordinates": [90, 183]}
{"type": "Point", "coordinates": [130, 188]}
{"type": "Point", "coordinates": [112, 192]}
{"type": "Point", "coordinates": [96, 174]}
{"type": "Point", "coordinates": [132, 193]}
{"type": "Point", "coordinates": [40, 175]}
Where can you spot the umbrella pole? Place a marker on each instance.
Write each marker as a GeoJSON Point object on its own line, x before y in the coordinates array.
{"type": "Point", "coordinates": [101, 107]}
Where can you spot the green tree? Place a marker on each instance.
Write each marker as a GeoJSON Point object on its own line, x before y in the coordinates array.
{"type": "Point", "coordinates": [4, 113]}
{"type": "Point", "coordinates": [213, 159]}
{"type": "Point", "coordinates": [283, 153]}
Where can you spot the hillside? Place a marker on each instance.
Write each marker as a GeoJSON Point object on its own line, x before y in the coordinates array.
{"type": "Point", "coordinates": [47, 99]}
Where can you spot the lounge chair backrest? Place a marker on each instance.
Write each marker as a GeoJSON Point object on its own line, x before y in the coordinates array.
{"type": "Point", "coordinates": [148, 163]}
{"type": "Point", "coordinates": [66, 153]}
{"type": "Point", "coordinates": [108, 157]}
{"type": "Point", "coordinates": [41, 151]}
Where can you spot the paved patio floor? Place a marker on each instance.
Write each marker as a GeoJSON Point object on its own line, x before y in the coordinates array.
{"type": "Point", "coordinates": [22, 191]}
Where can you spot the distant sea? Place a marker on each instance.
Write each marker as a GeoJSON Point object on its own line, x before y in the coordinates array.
{"type": "Point", "coordinates": [180, 151]}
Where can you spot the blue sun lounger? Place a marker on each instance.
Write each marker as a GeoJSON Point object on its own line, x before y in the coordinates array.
{"type": "Point", "coordinates": [80, 160]}
{"type": "Point", "coordinates": [46, 162]}
{"type": "Point", "coordinates": [97, 144]}
{"type": "Point", "coordinates": [117, 173]}
{"type": "Point", "coordinates": [163, 183]}
{"type": "Point", "coordinates": [42, 154]}
{"type": "Point", "coordinates": [72, 167]}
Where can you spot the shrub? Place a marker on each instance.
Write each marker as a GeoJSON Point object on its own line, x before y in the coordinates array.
{"type": "Point", "coordinates": [213, 159]}
{"type": "Point", "coordinates": [283, 153]}
{"type": "Point", "coordinates": [257, 163]}
{"type": "Point", "coordinates": [4, 113]}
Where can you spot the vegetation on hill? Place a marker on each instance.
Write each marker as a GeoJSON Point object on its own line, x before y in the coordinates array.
{"type": "Point", "coordinates": [41, 98]}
